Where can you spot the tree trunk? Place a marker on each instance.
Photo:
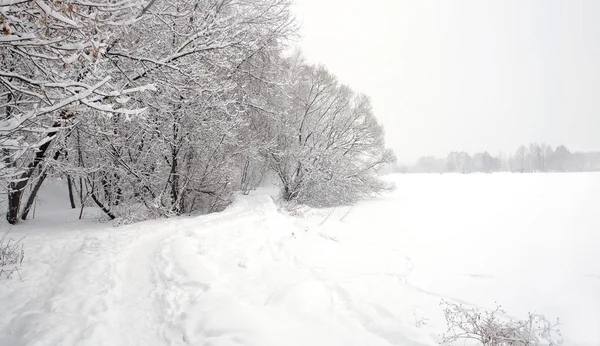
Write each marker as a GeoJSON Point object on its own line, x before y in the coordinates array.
{"type": "Point", "coordinates": [104, 208]}
{"type": "Point", "coordinates": [176, 205]}
{"type": "Point", "coordinates": [14, 200]}
{"type": "Point", "coordinates": [36, 189]}
{"type": "Point", "coordinates": [71, 197]}
{"type": "Point", "coordinates": [174, 180]}
{"type": "Point", "coordinates": [106, 187]}
{"type": "Point", "coordinates": [32, 196]}
{"type": "Point", "coordinates": [119, 194]}
{"type": "Point", "coordinates": [81, 199]}
{"type": "Point", "coordinates": [245, 183]}
{"type": "Point", "coordinates": [81, 164]}
{"type": "Point", "coordinates": [16, 188]}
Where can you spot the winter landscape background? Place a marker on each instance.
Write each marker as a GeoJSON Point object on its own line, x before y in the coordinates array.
{"type": "Point", "coordinates": [232, 172]}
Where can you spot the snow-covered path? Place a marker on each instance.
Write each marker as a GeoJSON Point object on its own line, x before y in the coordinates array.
{"type": "Point", "coordinates": [94, 288]}
{"type": "Point", "coordinates": [373, 274]}
{"type": "Point", "coordinates": [247, 276]}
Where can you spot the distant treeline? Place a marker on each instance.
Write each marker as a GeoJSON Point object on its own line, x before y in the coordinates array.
{"type": "Point", "coordinates": [533, 158]}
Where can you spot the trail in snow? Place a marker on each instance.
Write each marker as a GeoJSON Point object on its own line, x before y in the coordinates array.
{"type": "Point", "coordinates": [240, 277]}
{"type": "Point", "coordinates": [98, 295]}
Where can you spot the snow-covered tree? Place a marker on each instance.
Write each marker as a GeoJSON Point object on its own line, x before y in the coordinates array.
{"type": "Point", "coordinates": [521, 159]}
{"type": "Point", "coordinates": [225, 106]}
{"type": "Point", "coordinates": [53, 68]}
{"type": "Point", "coordinates": [452, 162]}
{"type": "Point", "coordinates": [546, 153]}
{"type": "Point", "coordinates": [186, 153]}
{"type": "Point", "coordinates": [561, 159]}
{"type": "Point", "coordinates": [327, 142]}
{"type": "Point", "coordinates": [465, 162]}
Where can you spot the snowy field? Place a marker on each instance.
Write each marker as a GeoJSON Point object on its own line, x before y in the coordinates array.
{"type": "Point", "coordinates": [369, 275]}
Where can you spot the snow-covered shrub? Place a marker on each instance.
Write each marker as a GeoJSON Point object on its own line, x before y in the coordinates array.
{"type": "Point", "coordinates": [11, 255]}
{"type": "Point", "coordinates": [492, 328]}
{"type": "Point", "coordinates": [321, 191]}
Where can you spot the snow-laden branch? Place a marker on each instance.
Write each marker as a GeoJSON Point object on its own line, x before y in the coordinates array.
{"type": "Point", "coordinates": [4, 3]}
{"type": "Point", "coordinates": [10, 125]}
{"type": "Point", "coordinates": [55, 14]}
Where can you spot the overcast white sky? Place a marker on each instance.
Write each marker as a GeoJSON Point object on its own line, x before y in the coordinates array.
{"type": "Point", "coordinates": [465, 74]}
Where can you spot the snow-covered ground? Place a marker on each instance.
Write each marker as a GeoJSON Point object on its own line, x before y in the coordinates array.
{"type": "Point", "coordinates": [367, 275]}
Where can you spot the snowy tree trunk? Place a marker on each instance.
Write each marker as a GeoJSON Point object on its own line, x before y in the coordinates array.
{"type": "Point", "coordinates": [70, 187]}
{"type": "Point", "coordinates": [102, 206]}
{"type": "Point", "coordinates": [174, 182]}
{"type": "Point", "coordinates": [17, 187]}
{"type": "Point", "coordinates": [35, 190]}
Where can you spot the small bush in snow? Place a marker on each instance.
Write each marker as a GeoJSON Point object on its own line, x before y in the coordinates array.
{"type": "Point", "coordinates": [11, 254]}
{"type": "Point", "coordinates": [491, 328]}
